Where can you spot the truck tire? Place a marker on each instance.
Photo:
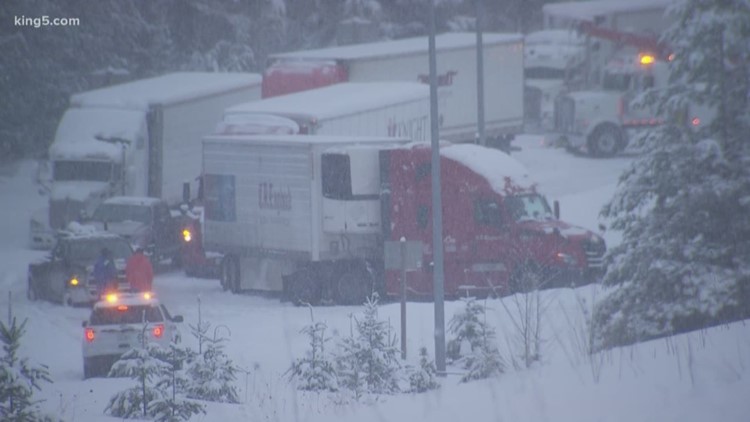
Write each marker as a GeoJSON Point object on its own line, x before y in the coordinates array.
{"type": "Point", "coordinates": [31, 293]}
{"type": "Point", "coordinates": [230, 274]}
{"type": "Point", "coordinates": [606, 141]}
{"type": "Point", "coordinates": [354, 286]}
{"type": "Point", "coordinates": [88, 369]}
{"type": "Point", "coordinates": [305, 288]}
{"type": "Point", "coordinates": [526, 278]}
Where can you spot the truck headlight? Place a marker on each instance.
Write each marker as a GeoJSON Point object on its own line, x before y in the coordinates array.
{"type": "Point", "coordinates": [565, 258]}
{"type": "Point", "coordinates": [187, 235]}
{"type": "Point", "coordinates": [74, 281]}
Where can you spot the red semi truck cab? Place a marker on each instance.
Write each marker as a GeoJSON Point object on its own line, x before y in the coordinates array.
{"type": "Point", "coordinates": [499, 233]}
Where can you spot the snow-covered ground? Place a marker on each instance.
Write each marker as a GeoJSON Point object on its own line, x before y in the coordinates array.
{"type": "Point", "coordinates": [700, 376]}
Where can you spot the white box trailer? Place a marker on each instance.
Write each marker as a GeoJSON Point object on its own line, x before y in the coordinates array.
{"type": "Point", "coordinates": [267, 211]}
{"type": "Point", "coordinates": [141, 138]}
{"type": "Point", "coordinates": [408, 60]}
{"type": "Point", "coordinates": [351, 109]}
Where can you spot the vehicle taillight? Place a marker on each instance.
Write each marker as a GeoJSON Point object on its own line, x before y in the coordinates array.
{"type": "Point", "coordinates": [696, 121]}
{"type": "Point", "coordinates": [89, 335]}
{"type": "Point", "coordinates": [159, 331]}
{"type": "Point", "coordinates": [122, 308]}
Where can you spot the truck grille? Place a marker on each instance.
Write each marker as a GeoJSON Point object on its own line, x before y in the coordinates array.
{"type": "Point", "coordinates": [565, 111]}
{"type": "Point", "coordinates": [63, 211]}
{"type": "Point", "coordinates": [594, 253]}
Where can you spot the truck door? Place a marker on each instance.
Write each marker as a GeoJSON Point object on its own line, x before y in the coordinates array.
{"type": "Point", "coordinates": [490, 244]}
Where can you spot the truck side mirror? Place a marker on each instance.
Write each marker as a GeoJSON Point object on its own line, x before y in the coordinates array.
{"type": "Point", "coordinates": [177, 318]}
{"type": "Point", "coordinates": [556, 207]}
{"type": "Point", "coordinates": [84, 324]}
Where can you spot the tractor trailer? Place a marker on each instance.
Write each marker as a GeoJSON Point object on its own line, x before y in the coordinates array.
{"type": "Point", "coordinates": [141, 138]}
{"type": "Point", "coordinates": [308, 217]}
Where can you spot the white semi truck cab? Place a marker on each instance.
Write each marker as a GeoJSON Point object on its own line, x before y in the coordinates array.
{"type": "Point", "coordinates": [141, 138]}
{"type": "Point", "coordinates": [601, 121]}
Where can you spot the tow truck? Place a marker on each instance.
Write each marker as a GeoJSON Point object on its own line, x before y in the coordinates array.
{"type": "Point", "coordinates": [601, 121]}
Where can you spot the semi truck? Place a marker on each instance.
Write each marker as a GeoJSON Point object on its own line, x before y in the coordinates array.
{"type": "Point", "coordinates": [308, 217]}
{"type": "Point", "coordinates": [400, 109]}
{"type": "Point", "coordinates": [140, 138]}
{"type": "Point", "coordinates": [407, 60]}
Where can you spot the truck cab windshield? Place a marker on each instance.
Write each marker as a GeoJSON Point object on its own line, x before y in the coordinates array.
{"type": "Point", "coordinates": [91, 171]}
{"type": "Point", "coordinates": [117, 213]}
{"type": "Point", "coordinates": [528, 207]}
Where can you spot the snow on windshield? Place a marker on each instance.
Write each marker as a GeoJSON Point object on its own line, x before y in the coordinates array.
{"type": "Point", "coordinates": [118, 213]}
{"type": "Point", "coordinates": [77, 133]}
{"type": "Point", "coordinates": [528, 207]}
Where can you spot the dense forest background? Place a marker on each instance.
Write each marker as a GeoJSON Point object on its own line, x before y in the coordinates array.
{"type": "Point", "coordinates": [121, 40]}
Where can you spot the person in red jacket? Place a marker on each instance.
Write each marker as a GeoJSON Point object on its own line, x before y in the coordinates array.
{"type": "Point", "coordinates": [139, 272]}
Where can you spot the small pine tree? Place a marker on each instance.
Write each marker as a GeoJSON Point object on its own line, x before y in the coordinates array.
{"type": "Point", "coordinates": [174, 383]}
{"type": "Point", "coordinates": [483, 359]}
{"type": "Point", "coordinates": [18, 379]}
{"type": "Point", "coordinates": [369, 361]}
{"type": "Point", "coordinates": [316, 372]}
{"type": "Point", "coordinates": [423, 378]}
{"type": "Point", "coordinates": [143, 365]}
{"type": "Point", "coordinates": [212, 375]}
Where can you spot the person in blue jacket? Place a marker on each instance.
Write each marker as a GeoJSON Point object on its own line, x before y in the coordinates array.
{"type": "Point", "coordinates": [105, 273]}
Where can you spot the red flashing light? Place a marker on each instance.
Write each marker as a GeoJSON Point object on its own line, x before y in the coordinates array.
{"type": "Point", "coordinates": [159, 331]}
{"type": "Point", "coordinates": [696, 121]}
{"type": "Point", "coordinates": [89, 335]}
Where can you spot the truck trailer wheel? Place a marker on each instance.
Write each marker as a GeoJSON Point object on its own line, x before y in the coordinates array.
{"type": "Point", "coordinates": [230, 274]}
{"type": "Point", "coordinates": [31, 291]}
{"type": "Point", "coordinates": [304, 288]}
{"type": "Point", "coordinates": [354, 286]}
{"type": "Point", "coordinates": [606, 140]}
{"type": "Point", "coordinates": [526, 278]}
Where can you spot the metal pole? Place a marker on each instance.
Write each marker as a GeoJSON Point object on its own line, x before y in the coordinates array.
{"type": "Point", "coordinates": [437, 209]}
{"type": "Point", "coordinates": [403, 298]}
{"type": "Point", "coordinates": [480, 76]}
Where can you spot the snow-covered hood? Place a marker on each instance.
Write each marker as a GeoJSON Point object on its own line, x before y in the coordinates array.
{"type": "Point", "coordinates": [77, 190]}
{"type": "Point", "coordinates": [546, 85]}
{"type": "Point", "coordinates": [567, 231]}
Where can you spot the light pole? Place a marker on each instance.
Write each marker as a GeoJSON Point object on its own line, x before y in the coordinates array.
{"type": "Point", "coordinates": [437, 207]}
{"type": "Point", "coordinates": [480, 76]}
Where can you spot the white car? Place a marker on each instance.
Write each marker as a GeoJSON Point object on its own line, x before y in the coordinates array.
{"type": "Point", "coordinates": [120, 322]}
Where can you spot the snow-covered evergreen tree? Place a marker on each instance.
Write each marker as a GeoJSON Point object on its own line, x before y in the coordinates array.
{"type": "Point", "coordinates": [368, 361]}
{"type": "Point", "coordinates": [174, 383]}
{"type": "Point", "coordinates": [143, 365]}
{"type": "Point", "coordinates": [18, 378]}
{"type": "Point", "coordinates": [423, 377]}
{"type": "Point", "coordinates": [316, 371]}
{"type": "Point", "coordinates": [684, 206]}
{"type": "Point", "coordinates": [470, 327]}
{"type": "Point", "coordinates": [212, 375]}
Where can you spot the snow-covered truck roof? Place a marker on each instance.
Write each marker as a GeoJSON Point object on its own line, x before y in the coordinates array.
{"type": "Point", "coordinates": [407, 46]}
{"type": "Point", "coordinates": [302, 140]}
{"type": "Point", "coordinates": [133, 200]}
{"type": "Point", "coordinates": [337, 100]}
{"type": "Point", "coordinates": [167, 89]}
{"type": "Point", "coordinates": [588, 10]}
{"type": "Point", "coordinates": [492, 164]}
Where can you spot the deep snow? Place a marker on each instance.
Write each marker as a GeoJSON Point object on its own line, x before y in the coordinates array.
{"type": "Point", "coordinates": [695, 377]}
